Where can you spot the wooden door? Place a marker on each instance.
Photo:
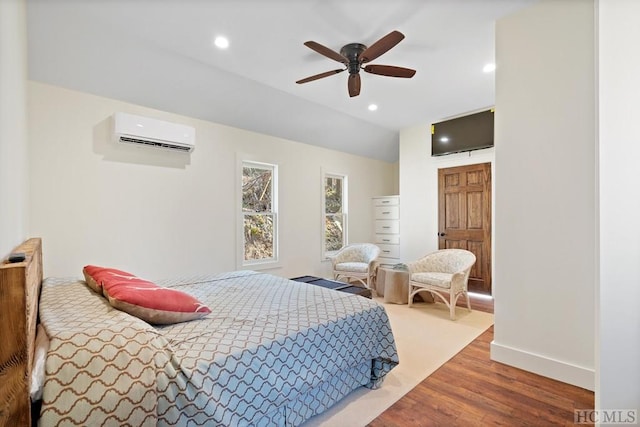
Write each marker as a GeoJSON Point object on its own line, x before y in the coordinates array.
{"type": "Point", "coordinates": [464, 217]}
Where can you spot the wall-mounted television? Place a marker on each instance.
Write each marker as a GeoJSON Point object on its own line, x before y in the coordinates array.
{"type": "Point", "coordinates": [466, 133]}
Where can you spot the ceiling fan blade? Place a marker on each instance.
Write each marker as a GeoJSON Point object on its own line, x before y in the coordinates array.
{"type": "Point", "coordinates": [389, 70]}
{"type": "Point", "coordinates": [353, 84]}
{"type": "Point", "coordinates": [321, 75]}
{"type": "Point", "coordinates": [323, 50]}
{"type": "Point", "coordinates": [381, 46]}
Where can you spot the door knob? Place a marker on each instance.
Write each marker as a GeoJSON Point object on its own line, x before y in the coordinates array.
{"type": "Point", "coordinates": [441, 234]}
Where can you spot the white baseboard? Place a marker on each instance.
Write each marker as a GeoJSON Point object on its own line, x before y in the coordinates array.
{"type": "Point", "coordinates": [545, 366]}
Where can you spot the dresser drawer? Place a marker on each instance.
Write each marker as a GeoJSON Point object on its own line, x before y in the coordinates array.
{"type": "Point", "coordinates": [386, 201]}
{"type": "Point", "coordinates": [386, 212]}
{"type": "Point", "coordinates": [387, 226]}
{"type": "Point", "coordinates": [389, 251]}
{"type": "Point", "coordinates": [389, 239]}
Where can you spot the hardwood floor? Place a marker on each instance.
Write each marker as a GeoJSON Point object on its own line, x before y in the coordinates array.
{"type": "Point", "coordinates": [473, 390]}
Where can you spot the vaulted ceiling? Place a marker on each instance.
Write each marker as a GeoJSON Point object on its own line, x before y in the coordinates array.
{"type": "Point", "coordinates": [160, 54]}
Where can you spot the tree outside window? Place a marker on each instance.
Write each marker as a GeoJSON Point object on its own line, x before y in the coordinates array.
{"type": "Point", "coordinates": [259, 210]}
{"type": "Point", "coordinates": [335, 213]}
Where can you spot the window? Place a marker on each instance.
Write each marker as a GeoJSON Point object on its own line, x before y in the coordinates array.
{"type": "Point", "coordinates": [259, 213]}
{"type": "Point", "coordinates": [335, 213]}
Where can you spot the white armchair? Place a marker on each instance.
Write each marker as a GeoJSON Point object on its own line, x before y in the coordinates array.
{"type": "Point", "coordinates": [444, 274]}
{"type": "Point", "coordinates": [356, 261]}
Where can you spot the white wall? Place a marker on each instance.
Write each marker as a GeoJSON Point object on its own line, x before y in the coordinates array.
{"type": "Point", "coordinates": [545, 179]}
{"type": "Point", "coordinates": [161, 214]}
{"type": "Point", "coordinates": [13, 125]}
{"type": "Point", "coordinates": [618, 345]}
{"type": "Point", "coordinates": [419, 188]}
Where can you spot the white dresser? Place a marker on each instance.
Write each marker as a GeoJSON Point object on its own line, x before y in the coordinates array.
{"type": "Point", "coordinates": [386, 214]}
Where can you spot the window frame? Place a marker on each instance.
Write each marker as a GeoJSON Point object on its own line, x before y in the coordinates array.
{"type": "Point", "coordinates": [263, 263]}
{"type": "Point", "coordinates": [326, 254]}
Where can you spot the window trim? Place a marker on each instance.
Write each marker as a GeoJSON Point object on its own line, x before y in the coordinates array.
{"type": "Point", "coordinates": [274, 262]}
{"type": "Point", "coordinates": [345, 211]}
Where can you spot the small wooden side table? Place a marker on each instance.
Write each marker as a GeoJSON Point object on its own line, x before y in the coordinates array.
{"type": "Point", "coordinates": [393, 285]}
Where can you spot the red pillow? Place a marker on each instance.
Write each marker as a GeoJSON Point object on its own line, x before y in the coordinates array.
{"type": "Point", "coordinates": [146, 300]}
{"type": "Point", "coordinates": [95, 276]}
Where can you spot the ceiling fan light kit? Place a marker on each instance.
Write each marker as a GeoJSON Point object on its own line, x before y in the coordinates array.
{"type": "Point", "coordinates": [354, 55]}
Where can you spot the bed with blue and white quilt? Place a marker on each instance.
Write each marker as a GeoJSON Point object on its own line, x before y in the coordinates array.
{"type": "Point", "coordinates": [272, 352]}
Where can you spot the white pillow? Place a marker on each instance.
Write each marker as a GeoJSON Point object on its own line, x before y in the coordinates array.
{"type": "Point", "coordinates": [39, 357]}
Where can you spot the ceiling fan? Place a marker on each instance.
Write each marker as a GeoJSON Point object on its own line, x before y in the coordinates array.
{"type": "Point", "coordinates": [354, 55]}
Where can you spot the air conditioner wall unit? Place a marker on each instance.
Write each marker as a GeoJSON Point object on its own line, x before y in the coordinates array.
{"type": "Point", "coordinates": [145, 131]}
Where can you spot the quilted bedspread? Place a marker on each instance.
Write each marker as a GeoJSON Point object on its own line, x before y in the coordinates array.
{"type": "Point", "coordinates": [272, 352]}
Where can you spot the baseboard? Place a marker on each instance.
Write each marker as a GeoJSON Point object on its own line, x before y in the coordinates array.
{"type": "Point", "coordinates": [545, 366]}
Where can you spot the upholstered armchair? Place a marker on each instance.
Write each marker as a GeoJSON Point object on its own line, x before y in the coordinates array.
{"type": "Point", "coordinates": [444, 274]}
{"type": "Point", "coordinates": [356, 261]}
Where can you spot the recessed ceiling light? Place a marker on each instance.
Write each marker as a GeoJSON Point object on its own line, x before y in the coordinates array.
{"type": "Point", "coordinates": [489, 68]}
{"type": "Point", "coordinates": [444, 139]}
{"type": "Point", "coordinates": [372, 107]}
{"type": "Point", "coordinates": [221, 42]}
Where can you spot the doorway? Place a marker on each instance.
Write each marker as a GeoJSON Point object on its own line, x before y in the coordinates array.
{"type": "Point", "coordinates": [464, 217]}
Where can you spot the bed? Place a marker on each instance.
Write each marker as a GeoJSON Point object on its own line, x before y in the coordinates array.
{"type": "Point", "coordinates": [271, 352]}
